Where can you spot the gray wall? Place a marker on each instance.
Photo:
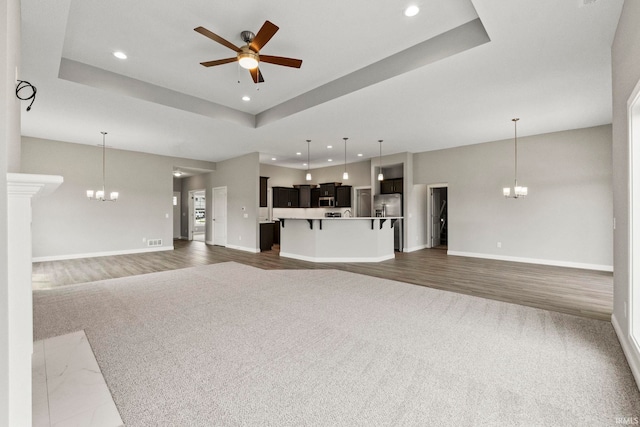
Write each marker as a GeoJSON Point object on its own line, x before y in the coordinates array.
{"type": "Point", "coordinates": [241, 176]}
{"type": "Point", "coordinates": [287, 177]}
{"type": "Point", "coordinates": [567, 216]}
{"type": "Point", "coordinates": [626, 74]}
{"type": "Point", "coordinates": [67, 224]}
{"type": "Point", "coordinates": [282, 177]}
{"type": "Point", "coordinates": [358, 174]}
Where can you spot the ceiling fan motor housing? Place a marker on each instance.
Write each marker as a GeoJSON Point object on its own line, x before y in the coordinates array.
{"type": "Point", "coordinates": [247, 36]}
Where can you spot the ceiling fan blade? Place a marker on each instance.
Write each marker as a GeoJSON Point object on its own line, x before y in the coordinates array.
{"type": "Point", "coordinates": [279, 60]}
{"type": "Point", "coordinates": [218, 62]}
{"type": "Point", "coordinates": [217, 38]}
{"type": "Point", "coordinates": [256, 75]}
{"type": "Point", "coordinates": [267, 31]}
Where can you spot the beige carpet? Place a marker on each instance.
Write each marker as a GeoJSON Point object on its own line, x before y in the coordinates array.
{"type": "Point", "coordinates": [229, 344]}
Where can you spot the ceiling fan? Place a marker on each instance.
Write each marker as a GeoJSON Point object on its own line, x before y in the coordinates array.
{"type": "Point", "coordinates": [249, 55]}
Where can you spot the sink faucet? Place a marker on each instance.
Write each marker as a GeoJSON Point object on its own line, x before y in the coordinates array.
{"type": "Point", "coordinates": [347, 213]}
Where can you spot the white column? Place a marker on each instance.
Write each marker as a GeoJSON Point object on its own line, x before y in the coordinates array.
{"type": "Point", "coordinates": [21, 188]}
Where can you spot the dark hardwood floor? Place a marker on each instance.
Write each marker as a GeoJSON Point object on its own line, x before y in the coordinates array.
{"type": "Point", "coordinates": [579, 292]}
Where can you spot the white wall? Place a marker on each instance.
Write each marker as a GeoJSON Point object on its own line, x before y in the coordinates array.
{"type": "Point", "coordinates": [565, 220]}
{"type": "Point", "coordinates": [68, 225]}
{"type": "Point", "coordinates": [626, 74]}
{"type": "Point", "coordinates": [9, 162]}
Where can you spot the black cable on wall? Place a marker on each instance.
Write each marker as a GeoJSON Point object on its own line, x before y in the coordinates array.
{"type": "Point", "coordinates": [22, 84]}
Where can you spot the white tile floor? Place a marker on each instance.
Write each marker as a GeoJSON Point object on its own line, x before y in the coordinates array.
{"type": "Point", "coordinates": [68, 387]}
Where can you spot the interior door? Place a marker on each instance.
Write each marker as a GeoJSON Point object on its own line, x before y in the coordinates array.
{"type": "Point", "coordinates": [435, 218]}
{"type": "Point", "coordinates": [219, 210]}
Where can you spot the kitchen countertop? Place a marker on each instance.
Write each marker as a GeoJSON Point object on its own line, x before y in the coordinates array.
{"type": "Point", "coordinates": [348, 217]}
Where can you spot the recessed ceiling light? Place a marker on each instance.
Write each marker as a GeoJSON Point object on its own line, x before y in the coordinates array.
{"type": "Point", "coordinates": [330, 160]}
{"type": "Point", "coordinates": [329, 146]}
{"type": "Point", "coordinates": [246, 98]}
{"type": "Point", "coordinates": [120, 55]}
{"type": "Point", "coordinates": [273, 158]}
{"type": "Point", "coordinates": [359, 154]}
{"type": "Point", "coordinates": [411, 10]}
{"type": "Point", "coordinates": [298, 154]}
{"type": "Point", "coordinates": [304, 164]}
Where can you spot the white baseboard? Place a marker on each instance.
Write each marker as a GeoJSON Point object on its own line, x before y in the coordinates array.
{"type": "Point", "coordinates": [569, 264]}
{"type": "Point", "coordinates": [243, 248]}
{"type": "Point", "coordinates": [98, 254]}
{"type": "Point", "coordinates": [329, 259]}
{"type": "Point", "coordinates": [629, 350]}
{"type": "Point", "coordinates": [415, 248]}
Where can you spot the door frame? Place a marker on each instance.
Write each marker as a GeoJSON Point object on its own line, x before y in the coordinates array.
{"type": "Point", "coordinates": [192, 213]}
{"type": "Point", "coordinates": [356, 199]}
{"type": "Point", "coordinates": [430, 211]}
{"type": "Point", "coordinates": [633, 312]}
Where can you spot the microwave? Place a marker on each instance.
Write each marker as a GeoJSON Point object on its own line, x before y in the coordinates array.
{"type": "Point", "coordinates": [327, 202]}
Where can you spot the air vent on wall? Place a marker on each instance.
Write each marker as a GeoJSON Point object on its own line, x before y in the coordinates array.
{"type": "Point", "coordinates": [154, 242]}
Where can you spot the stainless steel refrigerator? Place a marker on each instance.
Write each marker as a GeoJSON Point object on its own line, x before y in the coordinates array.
{"type": "Point", "coordinates": [390, 205]}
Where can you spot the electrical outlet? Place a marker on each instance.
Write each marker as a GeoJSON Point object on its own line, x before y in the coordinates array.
{"type": "Point", "coordinates": [239, 237]}
{"type": "Point", "coordinates": [144, 239]}
{"type": "Point", "coordinates": [499, 244]}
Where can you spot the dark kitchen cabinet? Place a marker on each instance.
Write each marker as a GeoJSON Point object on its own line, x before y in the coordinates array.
{"type": "Point", "coordinates": [266, 236]}
{"type": "Point", "coordinates": [285, 197]}
{"type": "Point", "coordinates": [315, 197]}
{"type": "Point", "coordinates": [276, 232]}
{"type": "Point", "coordinates": [390, 186]}
{"type": "Point", "coordinates": [343, 196]}
{"type": "Point", "coordinates": [263, 191]}
{"type": "Point", "coordinates": [328, 189]}
{"type": "Point", "coordinates": [304, 196]}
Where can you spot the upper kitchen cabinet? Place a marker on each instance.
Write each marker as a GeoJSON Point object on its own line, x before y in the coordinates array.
{"type": "Point", "coordinates": [285, 197]}
{"type": "Point", "coordinates": [343, 196]}
{"type": "Point", "coordinates": [390, 186]}
{"type": "Point", "coordinates": [328, 189]}
{"type": "Point", "coordinates": [304, 196]}
{"type": "Point", "coordinates": [263, 191]}
{"type": "Point", "coordinates": [315, 197]}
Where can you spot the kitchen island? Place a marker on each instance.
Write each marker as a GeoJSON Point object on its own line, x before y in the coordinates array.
{"type": "Point", "coordinates": [359, 239]}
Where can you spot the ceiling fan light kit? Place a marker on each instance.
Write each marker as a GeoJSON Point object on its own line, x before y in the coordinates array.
{"type": "Point", "coordinates": [248, 56]}
{"type": "Point", "coordinates": [248, 59]}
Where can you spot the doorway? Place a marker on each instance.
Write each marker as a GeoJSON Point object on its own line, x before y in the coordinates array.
{"type": "Point", "coordinates": [363, 202]}
{"type": "Point", "coordinates": [219, 218]}
{"type": "Point", "coordinates": [197, 215]}
{"type": "Point", "coordinates": [439, 217]}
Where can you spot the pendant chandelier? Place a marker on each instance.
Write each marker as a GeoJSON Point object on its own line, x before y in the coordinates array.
{"type": "Point", "coordinates": [100, 194]}
{"type": "Point", "coordinates": [308, 177]}
{"type": "Point", "coordinates": [518, 191]}
{"type": "Point", "coordinates": [345, 175]}
{"type": "Point", "coordinates": [380, 175]}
